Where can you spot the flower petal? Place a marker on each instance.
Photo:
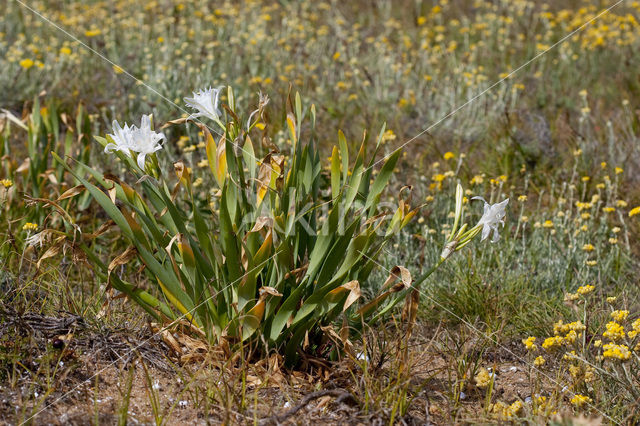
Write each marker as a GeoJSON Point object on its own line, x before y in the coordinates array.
{"type": "Point", "coordinates": [486, 229]}
{"type": "Point", "coordinates": [141, 160]}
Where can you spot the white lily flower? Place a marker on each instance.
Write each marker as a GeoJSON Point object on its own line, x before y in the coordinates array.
{"type": "Point", "coordinates": [121, 138]}
{"type": "Point", "coordinates": [142, 140]}
{"type": "Point", "coordinates": [206, 102]}
{"type": "Point", "coordinates": [493, 215]}
{"type": "Point", "coordinates": [146, 141]}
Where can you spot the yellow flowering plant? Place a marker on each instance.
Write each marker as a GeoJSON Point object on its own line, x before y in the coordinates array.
{"type": "Point", "coordinates": [592, 360]}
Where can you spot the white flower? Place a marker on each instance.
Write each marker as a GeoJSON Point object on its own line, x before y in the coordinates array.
{"type": "Point", "coordinates": [146, 141]}
{"type": "Point", "coordinates": [493, 215]}
{"type": "Point", "coordinates": [206, 102]}
{"type": "Point", "coordinates": [121, 138]}
{"type": "Point", "coordinates": [142, 140]}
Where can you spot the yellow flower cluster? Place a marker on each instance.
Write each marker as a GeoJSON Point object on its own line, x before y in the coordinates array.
{"type": "Point", "coordinates": [529, 343]}
{"type": "Point", "coordinates": [636, 329]}
{"type": "Point", "coordinates": [561, 328]}
{"type": "Point", "coordinates": [388, 136]}
{"type": "Point", "coordinates": [614, 351]}
{"type": "Point", "coordinates": [588, 247]}
{"type": "Point", "coordinates": [582, 373]}
{"type": "Point", "coordinates": [483, 378]}
{"type": "Point", "coordinates": [585, 289]}
{"type": "Point", "coordinates": [477, 180]}
{"type": "Point", "coordinates": [571, 332]}
{"type": "Point", "coordinates": [7, 183]}
{"type": "Point", "coordinates": [619, 315]}
{"type": "Point", "coordinates": [583, 206]}
{"type": "Point", "coordinates": [580, 400]}
{"type": "Point", "coordinates": [30, 226]}
{"type": "Point", "coordinates": [506, 412]}
{"type": "Point", "coordinates": [552, 343]}
{"type": "Point", "coordinates": [614, 331]}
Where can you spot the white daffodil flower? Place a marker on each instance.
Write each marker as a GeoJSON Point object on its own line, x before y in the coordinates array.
{"type": "Point", "coordinates": [206, 102]}
{"type": "Point", "coordinates": [142, 140]}
{"type": "Point", "coordinates": [493, 215]}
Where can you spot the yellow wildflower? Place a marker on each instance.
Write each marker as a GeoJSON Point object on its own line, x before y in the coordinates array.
{"type": "Point", "coordinates": [570, 297]}
{"type": "Point", "coordinates": [539, 361]}
{"type": "Point", "coordinates": [29, 226]}
{"type": "Point", "coordinates": [551, 343]}
{"type": "Point", "coordinates": [585, 289]}
{"type": "Point", "coordinates": [582, 206]}
{"type": "Point", "coordinates": [588, 247]}
{"type": "Point", "coordinates": [614, 331]}
{"type": "Point", "coordinates": [7, 183]}
{"type": "Point", "coordinates": [619, 316]}
{"type": "Point", "coordinates": [529, 343]}
{"type": "Point", "coordinates": [514, 409]}
{"type": "Point", "coordinates": [575, 371]}
{"type": "Point", "coordinates": [26, 63]}
{"type": "Point", "coordinates": [477, 180]}
{"type": "Point", "coordinates": [449, 155]}
{"type": "Point", "coordinates": [620, 352]}
{"type": "Point", "coordinates": [634, 211]}
{"type": "Point", "coordinates": [92, 33]}
{"type": "Point", "coordinates": [571, 337]}
{"type": "Point", "coordinates": [580, 400]}
{"type": "Point", "coordinates": [560, 327]}
{"type": "Point", "coordinates": [589, 374]}
{"type": "Point", "coordinates": [483, 378]}
{"type": "Point", "coordinates": [636, 329]}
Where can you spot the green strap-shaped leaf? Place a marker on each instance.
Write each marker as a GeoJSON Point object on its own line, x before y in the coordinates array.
{"type": "Point", "coordinates": [344, 154]}
{"type": "Point", "coordinates": [381, 181]}
{"type": "Point", "coordinates": [335, 173]}
{"type": "Point", "coordinates": [102, 199]}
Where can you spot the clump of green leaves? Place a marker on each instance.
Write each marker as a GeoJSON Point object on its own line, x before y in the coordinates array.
{"type": "Point", "coordinates": [277, 251]}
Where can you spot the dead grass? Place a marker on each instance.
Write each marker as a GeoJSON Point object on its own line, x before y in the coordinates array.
{"type": "Point", "coordinates": [61, 370]}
